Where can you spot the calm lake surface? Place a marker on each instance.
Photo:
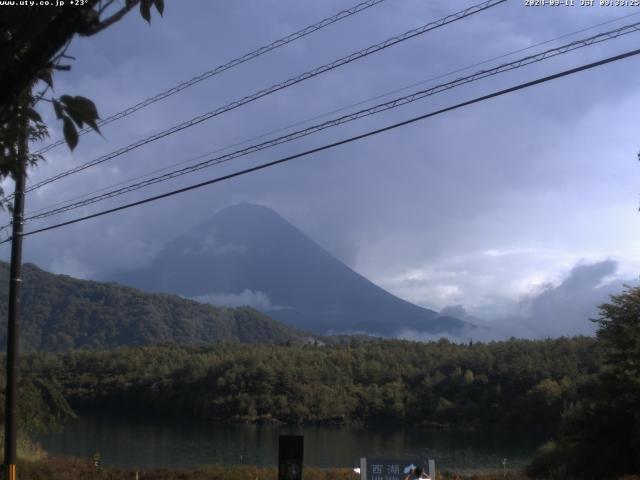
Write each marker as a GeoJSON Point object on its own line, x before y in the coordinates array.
{"type": "Point", "coordinates": [142, 443]}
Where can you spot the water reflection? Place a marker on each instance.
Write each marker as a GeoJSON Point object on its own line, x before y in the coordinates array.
{"type": "Point", "coordinates": [142, 443]}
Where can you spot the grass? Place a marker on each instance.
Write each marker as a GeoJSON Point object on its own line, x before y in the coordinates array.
{"type": "Point", "coordinates": [27, 449]}
{"type": "Point", "coordinates": [62, 468]}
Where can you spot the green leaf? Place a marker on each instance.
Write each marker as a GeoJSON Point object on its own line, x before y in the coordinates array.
{"type": "Point", "coordinates": [94, 126]}
{"type": "Point", "coordinates": [81, 110]}
{"type": "Point", "coordinates": [86, 105]}
{"type": "Point", "coordinates": [70, 133]}
{"type": "Point", "coordinates": [75, 116]}
{"type": "Point", "coordinates": [160, 6]}
{"type": "Point", "coordinates": [33, 115]}
{"type": "Point", "coordinates": [145, 9]}
{"type": "Point", "coordinates": [57, 107]}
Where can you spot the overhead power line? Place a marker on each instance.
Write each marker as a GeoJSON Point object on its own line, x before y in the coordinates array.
{"type": "Point", "coordinates": [520, 86]}
{"type": "Point", "coordinates": [324, 115]}
{"type": "Point", "coordinates": [404, 100]}
{"type": "Point", "coordinates": [274, 88]}
{"type": "Point", "coordinates": [226, 66]}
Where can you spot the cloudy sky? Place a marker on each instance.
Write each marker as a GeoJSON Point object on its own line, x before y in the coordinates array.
{"type": "Point", "coordinates": [506, 208]}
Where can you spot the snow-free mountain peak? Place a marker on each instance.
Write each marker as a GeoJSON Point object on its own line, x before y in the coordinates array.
{"type": "Point", "coordinates": [249, 255]}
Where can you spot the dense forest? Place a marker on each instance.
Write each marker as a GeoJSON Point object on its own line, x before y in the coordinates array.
{"type": "Point", "coordinates": [440, 383]}
{"type": "Point", "coordinates": [62, 313]}
{"type": "Point", "coordinates": [241, 366]}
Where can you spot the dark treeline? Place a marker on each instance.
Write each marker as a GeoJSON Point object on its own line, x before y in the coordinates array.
{"type": "Point", "coordinates": [517, 382]}
{"type": "Point", "coordinates": [62, 313]}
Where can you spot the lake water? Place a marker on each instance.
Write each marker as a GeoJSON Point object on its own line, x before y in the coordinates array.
{"type": "Point", "coordinates": [142, 443]}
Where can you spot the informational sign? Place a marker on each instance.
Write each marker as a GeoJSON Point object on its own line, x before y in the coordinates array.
{"type": "Point", "coordinates": [391, 469]}
{"type": "Point", "coordinates": [290, 456]}
{"type": "Point", "coordinates": [385, 469]}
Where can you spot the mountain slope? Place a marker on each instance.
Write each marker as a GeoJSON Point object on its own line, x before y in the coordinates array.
{"type": "Point", "coordinates": [61, 313]}
{"type": "Point", "coordinates": [249, 254]}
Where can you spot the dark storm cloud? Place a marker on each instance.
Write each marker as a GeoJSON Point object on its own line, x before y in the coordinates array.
{"type": "Point", "coordinates": [413, 209]}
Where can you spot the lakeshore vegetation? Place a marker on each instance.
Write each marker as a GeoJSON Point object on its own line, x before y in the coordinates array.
{"type": "Point", "coordinates": [588, 386]}
{"type": "Point", "coordinates": [519, 382]}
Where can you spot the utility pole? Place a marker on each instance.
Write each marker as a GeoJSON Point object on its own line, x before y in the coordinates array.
{"type": "Point", "coordinates": [14, 302]}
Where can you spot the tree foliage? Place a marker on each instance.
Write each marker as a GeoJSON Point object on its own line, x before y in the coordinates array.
{"type": "Point", "coordinates": [43, 407]}
{"type": "Point", "coordinates": [518, 382]}
{"type": "Point", "coordinates": [33, 46]}
{"type": "Point", "coordinates": [600, 436]}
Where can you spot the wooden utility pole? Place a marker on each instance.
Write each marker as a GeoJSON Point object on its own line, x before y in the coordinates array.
{"type": "Point", "coordinates": [14, 303]}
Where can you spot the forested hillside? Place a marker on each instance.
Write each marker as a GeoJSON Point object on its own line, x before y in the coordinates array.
{"type": "Point", "coordinates": [514, 382]}
{"type": "Point", "coordinates": [62, 313]}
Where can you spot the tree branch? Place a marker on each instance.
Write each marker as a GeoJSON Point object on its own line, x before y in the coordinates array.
{"type": "Point", "coordinates": [107, 4]}
{"type": "Point", "coordinates": [116, 17]}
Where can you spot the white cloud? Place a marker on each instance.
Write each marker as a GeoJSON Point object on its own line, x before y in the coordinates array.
{"type": "Point", "coordinates": [68, 264]}
{"type": "Point", "coordinates": [554, 310]}
{"type": "Point", "coordinates": [560, 309]}
{"type": "Point", "coordinates": [210, 245]}
{"type": "Point", "coordinates": [249, 298]}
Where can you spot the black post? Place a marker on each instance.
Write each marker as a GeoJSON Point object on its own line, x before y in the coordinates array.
{"type": "Point", "coordinates": [290, 456]}
{"type": "Point", "coordinates": [14, 307]}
